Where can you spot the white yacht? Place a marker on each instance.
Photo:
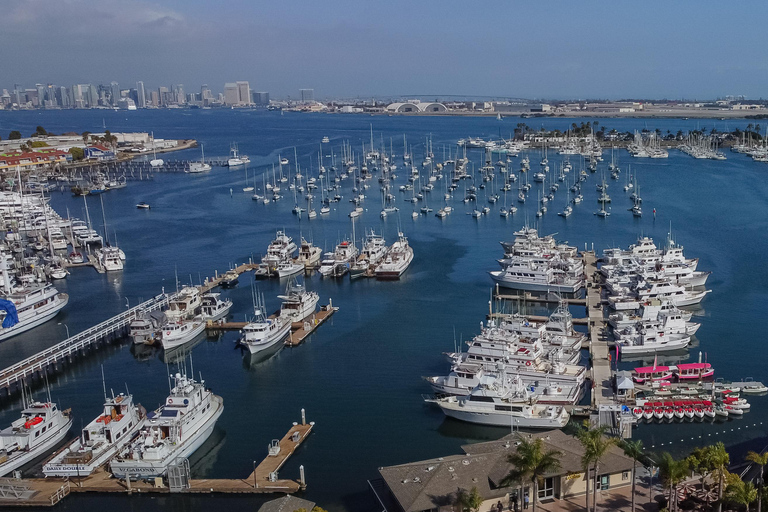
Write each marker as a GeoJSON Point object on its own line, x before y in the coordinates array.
{"type": "Point", "coordinates": [101, 439]}
{"type": "Point", "coordinates": [186, 304]}
{"type": "Point", "coordinates": [181, 331]}
{"type": "Point", "coordinates": [173, 431]}
{"type": "Point", "coordinates": [337, 263]}
{"type": "Point", "coordinates": [27, 307]}
{"type": "Point", "coordinates": [41, 427]}
{"type": "Point", "coordinates": [298, 303]}
{"type": "Point", "coordinates": [534, 274]}
{"type": "Point", "coordinates": [213, 308]}
{"type": "Point", "coordinates": [374, 250]}
{"type": "Point", "coordinates": [235, 159]}
{"type": "Point", "coordinates": [309, 254]}
{"type": "Point", "coordinates": [263, 333]}
{"type": "Point", "coordinates": [498, 406]}
{"type": "Point", "coordinates": [109, 258]}
{"type": "Point", "coordinates": [281, 249]}
{"type": "Point", "coordinates": [397, 260]}
{"type": "Point", "coordinates": [651, 342]}
{"type": "Point", "coordinates": [288, 268]}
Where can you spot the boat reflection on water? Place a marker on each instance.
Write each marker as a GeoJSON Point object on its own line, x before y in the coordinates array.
{"type": "Point", "coordinates": [203, 461]}
{"type": "Point", "coordinates": [179, 353]}
{"type": "Point", "coordinates": [253, 360]}
{"type": "Point", "coordinates": [143, 352]}
{"type": "Point", "coordinates": [473, 433]}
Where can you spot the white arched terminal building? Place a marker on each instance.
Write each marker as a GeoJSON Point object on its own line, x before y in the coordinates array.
{"type": "Point", "coordinates": [417, 107]}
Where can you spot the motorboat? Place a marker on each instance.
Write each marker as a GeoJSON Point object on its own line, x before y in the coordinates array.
{"type": "Point", "coordinates": [397, 260]}
{"type": "Point", "coordinates": [298, 303]}
{"type": "Point", "coordinates": [213, 308]}
{"type": "Point", "coordinates": [262, 332]}
{"type": "Point", "coordinates": [40, 428]}
{"type": "Point", "coordinates": [172, 432]}
{"type": "Point", "coordinates": [99, 440]}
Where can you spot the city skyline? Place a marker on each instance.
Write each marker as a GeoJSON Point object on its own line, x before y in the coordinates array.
{"type": "Point", "coordinates": [556, 50]}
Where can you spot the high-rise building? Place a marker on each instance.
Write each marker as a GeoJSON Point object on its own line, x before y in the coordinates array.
{"type": "Point", "coordinates": [166, 97]}
{"type": "Point", "coordinates": [261, 98]}
{"type": "Point", "coordinates": [307, 95]}
{"type": "Point", "coordinates": [141, 95]}
{"type": "Point", "coordinates": [178, 94]}
{"type": "Point", "coordinates": [231, 94]}
{"type": "Point", "coordinates": [244, 93]}
{"type": "Point", "coordinates": [93, 96]}
{"type": "Point", "coordinates": [154, 98]}
{"type": "Point", "coordinates": [114, 93]}
{"type": "Point", "coordinates": [40, 95]}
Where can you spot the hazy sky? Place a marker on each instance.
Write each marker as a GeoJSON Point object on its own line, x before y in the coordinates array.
{"type": "Point", "coordinates": [692, 49]}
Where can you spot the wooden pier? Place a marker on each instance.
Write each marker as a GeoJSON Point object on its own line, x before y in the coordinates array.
{"type": "Point", "coordinates": [299, 330]}
{"type": "Point", "coordinates": [263, 479]}
{"type": "Point", "coordinates": [210, 284]}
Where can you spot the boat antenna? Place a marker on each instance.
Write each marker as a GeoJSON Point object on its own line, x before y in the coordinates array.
{"type": "Point", "coordinates": [103, 383]}
{"type": "Point", "coordinates": [176, 275]}
{"type": "Point", "coordinates": [191, 366]}
{"type": "Point", "coordinates": [47, 387]}
{"type": "Point", "coordinates": [168, 372]}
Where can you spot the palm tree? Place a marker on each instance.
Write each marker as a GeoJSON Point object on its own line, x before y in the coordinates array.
{"type": "Point", "coordinates": [719, 460]}
{"type": "Point", "coordinates": [761, 459]}
{"type": "Point", "coordinates": [743, 493]}
{"type": "Point", "coordinates": [531, 461]}
{"type": "Point", "coordinates": [634, 449]}
{"type": "Point", "coordinates": [672, 472]}
{"type": "Point", "coordinates": [469, 501]}
{"type": "Point", "coordinates": [595, 445]}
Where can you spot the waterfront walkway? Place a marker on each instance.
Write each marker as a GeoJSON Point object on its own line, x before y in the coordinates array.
{"type": "Point", "coordinates": [112, 328]}
{"type": "Point", "coordinates": [602, 391]}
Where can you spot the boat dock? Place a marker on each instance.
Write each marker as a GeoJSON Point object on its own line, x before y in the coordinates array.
{"type": "Point", "coordinates": [27, 493]}
{"type": "Point", "coordinates": [263, 479]}
{"type": "Point", "coordinates": [299, 330]}
{"type": "Point", "coordinates": [602, 392]}
{"type": "Point", "coordinates": [52, 358]}
{"type": "Point", "coordinates": [210, 284]}
{"type": "Point", "coordinates": [302, 330]}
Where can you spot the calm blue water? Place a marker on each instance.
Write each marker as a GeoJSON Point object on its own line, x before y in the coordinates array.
{"type": "Point", "coordinates": [359, 376]}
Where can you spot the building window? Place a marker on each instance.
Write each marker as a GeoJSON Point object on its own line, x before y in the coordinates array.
{"type": "Point", "coordinates": [625, 475]}
{"type": "Point", "coordinates": [605, 482]}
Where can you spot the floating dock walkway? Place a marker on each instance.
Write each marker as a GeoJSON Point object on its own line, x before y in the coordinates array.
{"type": "Point", "coordinates": [51, 358]}
{"type": "Point", "coordinates": [263, 479]}
{"type": "Point", "coordinates": [299, 330]}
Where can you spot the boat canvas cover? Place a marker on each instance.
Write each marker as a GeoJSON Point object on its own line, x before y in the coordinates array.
{"type": "Point", "coordinates": [11, 315]}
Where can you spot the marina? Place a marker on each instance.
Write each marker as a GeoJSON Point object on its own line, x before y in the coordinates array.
{"type": "Point", "coordinates": [446, 287]}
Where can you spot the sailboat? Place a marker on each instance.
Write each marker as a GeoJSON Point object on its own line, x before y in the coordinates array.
{"type": "Point", "coordinates": [201, 166]}
{"type": "Point", "coordinates": [155, 162]}
{"type": "Point", "coordinates": [110, 257]}
{"type": "Point", "coordinates": [247, 188]}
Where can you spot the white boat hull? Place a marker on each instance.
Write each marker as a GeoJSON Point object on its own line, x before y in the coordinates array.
{"type": "Point", "coordinates": [37, 320]}
{"type": "Point", "coordinates": [188, 336]}
{"type": "Point", "coordinates": [501, 419]}
{"type": "Point", "coordinates": [42, 449]}
{"type": "Point", "coordinates": [145, 469]}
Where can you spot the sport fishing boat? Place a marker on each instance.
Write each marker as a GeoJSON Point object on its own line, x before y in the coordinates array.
{"type": "Point", "coordinates": [281, 249]}
{"type": "Point", "coordinates": [397, 260]}
{"type": "Point", "coordinates": [180, 331]}
{"type": "Point", "coordinates": [263, 333]}
{"type": "Point", "coordinates": [337, 263]}
{"type": "Point", "coordinates": [41, 427]}
{"type": "Point", "coordinates": [309, 254]}
{"type": "Point", "coordinates": [298, 303]}
{"type": "Point", "coordinates": [101, 439]}
{"type": "Point", "coordinates": [171, 432]}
